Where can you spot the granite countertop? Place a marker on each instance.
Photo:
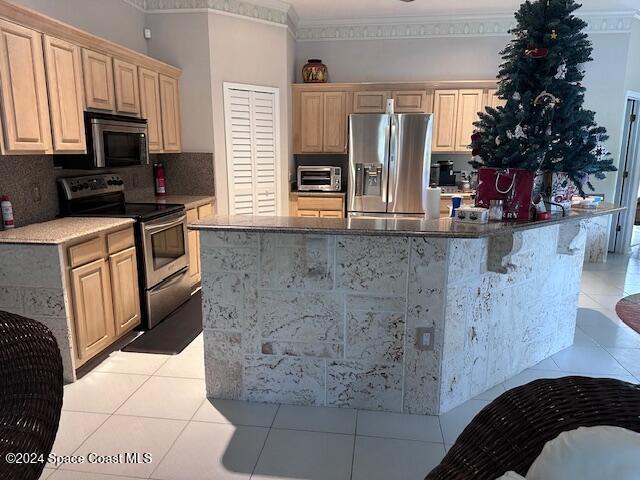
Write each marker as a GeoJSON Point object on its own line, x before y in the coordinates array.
{"type": "Point", "coordinates": [318, 194]}
{"type": "Point", "coordinates": [408, 227]}
{"type": "Point", "coordinates": [189, 201]}
{"type": "Point", "coordinates": [62, 230]}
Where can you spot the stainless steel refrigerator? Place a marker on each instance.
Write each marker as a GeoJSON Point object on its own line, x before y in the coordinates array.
{"type": "Point", "coordinates": [389, 164]}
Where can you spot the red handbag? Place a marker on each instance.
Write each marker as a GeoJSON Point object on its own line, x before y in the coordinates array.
{"type": "Point", "coordinates": [514, 186]}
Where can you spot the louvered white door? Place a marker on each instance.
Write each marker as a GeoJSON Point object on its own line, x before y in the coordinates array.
{"type": "Point", "coordinates": [252, 150]}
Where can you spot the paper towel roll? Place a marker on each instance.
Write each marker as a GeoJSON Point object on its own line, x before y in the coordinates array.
{"type": "Point", "coordinates": [433, 203]}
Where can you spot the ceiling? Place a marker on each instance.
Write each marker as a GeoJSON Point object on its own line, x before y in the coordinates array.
{"type": "Point", "coordinates": [310, 10]}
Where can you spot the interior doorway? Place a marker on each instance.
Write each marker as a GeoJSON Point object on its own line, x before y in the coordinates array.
{"type": "Point", "coordinates": [626, 225]}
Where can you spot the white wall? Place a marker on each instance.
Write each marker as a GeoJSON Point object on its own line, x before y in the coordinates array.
{"type": "Point", "coordinates": [182, 39]}
{"type": "Point", "coordinates": [245, 51]}
{"type": "Point", "coordinates": [473, 58]}
{"type": "Point", "coordinates": [114, 20]}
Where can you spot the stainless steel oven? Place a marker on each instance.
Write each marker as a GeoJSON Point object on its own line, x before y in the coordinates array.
{"type": "Point", "coordinates": [161, 237]}
{"type": "Point", "coordinates": [165, 254]}
{"type": "Point", "coordinates": [112, 141]}
{"type": "Point", "coordinates": [165, 247]}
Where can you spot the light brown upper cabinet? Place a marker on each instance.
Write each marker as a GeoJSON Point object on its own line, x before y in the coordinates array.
{"type": "Point", "coordinates": [411, 101]}
{"type": "Point", "coordinates": [455, 111]}
{"type": "Point", "coordinates": [320, 124]}
{"type": "Point", "coordinates": [127, 91]}
{"type": "Point", "coordinates": [311, 122]}
{"type": "Point", "coordinates": [445, 109]}
{"type": "Point", "coordinates": [170, 108]}
{"type": "Point", "coordinates": [150, 107]}
{"type": "Point", "coordinates": [66, 102]}
{"type": "Point", "coordinates": [335, 122]}
{"type": "Point", "coordinates": [493, 100]}
{"type": "Point", "coordinates": [25, 110]}
{"type": "Point", "coordinates": [405, 101]}
{"type": "Point", "coordinates": [370, 102]}
{"type": "Point", "coordinates": [470, 102]}
{"type": "Point", "coordinates": [98, 81]}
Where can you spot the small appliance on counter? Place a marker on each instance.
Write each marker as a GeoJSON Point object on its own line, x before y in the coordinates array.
{"type": "Point", "coordinates": [112, 141]}
{"type": "Point", "coordinates": [447, 176]}
{"type": "Point", "coordinates": [319, 179]}
{"type": "Point", "coordinates": [162, 245]}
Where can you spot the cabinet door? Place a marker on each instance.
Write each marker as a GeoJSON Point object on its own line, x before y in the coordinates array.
{"type": "Point", "coordinates": [25, 111]}
{"type": "Point", "coordinates": [470, 102]}
{"type": "Point", "coordinates": [370, 102]}
{"type": "Point", "coordinates": [410, 101]}
{"type": "Point", "coordinates": [170, 108]}
{"type": "Point", "coordinates": [125, 76]}
{"type": "Point", "coordinates": [66, 94]}
{"type": "Point", "coordinates": [93, 308]}
{"type": "Point", "coordinates": [98, 81]}
{"type": "Point", "coordinates": [331, 214]}
{"type": "Point", "coordinates": [335, 122]}
{"type": "Point", "coordinates": [150, 107]}
{"type": "Point", "coordinates": [311, 122]}
{"type": "Point", "coordinates": [493, 100]}
{"type": "Point", "coordinates": [194, 247]}
{"type": "Point", "coordinates": [124, 290]}
{"type": "Point", "coordinates": [205, 210]}
{"type": "Point", "coordinates": [308, 213]}
{"type": "Point", "coordinates": [444, 112]}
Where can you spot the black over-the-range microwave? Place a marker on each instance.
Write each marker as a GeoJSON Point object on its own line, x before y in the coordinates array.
{"type": "Point", "coordinates": [112, 141]}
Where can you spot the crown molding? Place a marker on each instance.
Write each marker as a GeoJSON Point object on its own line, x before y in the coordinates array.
{"type": "Point", "coordinates": [138, 4]}
{"type": "Point", "coordinates": [443, 26]}
{"type": "Point", "coordinates": [269, 11]}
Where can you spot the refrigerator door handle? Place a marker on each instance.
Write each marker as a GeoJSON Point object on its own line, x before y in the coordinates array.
{"type": "Point", "coordinates": [393, 157]}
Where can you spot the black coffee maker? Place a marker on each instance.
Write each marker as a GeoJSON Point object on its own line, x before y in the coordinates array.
{"type": "Point", "coordinates": [446, 175]}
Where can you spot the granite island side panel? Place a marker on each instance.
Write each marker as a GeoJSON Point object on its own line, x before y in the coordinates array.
{"type": "Point", "coordinates": [329, 314]}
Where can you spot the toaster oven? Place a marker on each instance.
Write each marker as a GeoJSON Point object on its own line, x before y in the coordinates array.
{"type": "Point", "coordinates": [319, 179]}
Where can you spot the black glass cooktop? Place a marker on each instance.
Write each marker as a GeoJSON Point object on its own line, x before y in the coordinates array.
{"type": "Point", "coordinates": [139, 211]}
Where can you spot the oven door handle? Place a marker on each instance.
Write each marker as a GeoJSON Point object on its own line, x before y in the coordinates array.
{"type": "Point", "coordinates": [169, 282]}
{"type": "Point", "coordinates": [162, 226]}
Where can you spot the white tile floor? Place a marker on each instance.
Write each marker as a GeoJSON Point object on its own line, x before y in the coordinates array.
{"type": "Point", "coordinates": [153, 403]}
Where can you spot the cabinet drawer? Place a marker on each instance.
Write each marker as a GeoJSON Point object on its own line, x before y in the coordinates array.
{"type": "Point", "coordinates": [120, 240]}
{"type": "Point", "coordinates": [319, 203]}
{"type": "Point", "coordinates": [192, 215]}
{"type": "Point", "coordinates": [331, 214]}
{"type": "Point", "coordinates": [205, 211]}
{"type": "Point", "coordinates": [308, 213]}
{"type": "Point", "coordinates": [87, 252]}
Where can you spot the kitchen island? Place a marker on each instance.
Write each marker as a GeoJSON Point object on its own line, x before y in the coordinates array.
{"type": "Point", "coordinates": [407, 315]}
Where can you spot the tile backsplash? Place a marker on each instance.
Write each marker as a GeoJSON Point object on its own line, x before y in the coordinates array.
{"type": "Point", "coordinates": [30, 181]}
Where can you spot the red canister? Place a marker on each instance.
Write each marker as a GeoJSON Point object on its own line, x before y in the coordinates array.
{"type": "Point", "coordinates": [161, 189]}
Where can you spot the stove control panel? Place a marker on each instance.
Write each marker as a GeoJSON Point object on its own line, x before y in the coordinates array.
{"type": "Point", "coordinates": [90, 185]}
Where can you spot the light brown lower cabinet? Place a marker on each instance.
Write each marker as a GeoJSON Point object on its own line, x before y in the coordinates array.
{"type": "Point", "coordinates": [316, 206]}
{"type": "Point", "coordinates": [124, 289]}
{"type": "Point", "coordinates": [194, 248]}
{"type": "Point", "coordinates": [193, 214]}
{"type": "Point", "coordinates": [104, 291]}
{"type": "Point", "coordinates": [93, 308]}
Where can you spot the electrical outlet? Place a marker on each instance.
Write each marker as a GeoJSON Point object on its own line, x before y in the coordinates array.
{"type": "Point", "coordinates": [36, 194]}
{"type": "Point", "coordinates": [424, 338]}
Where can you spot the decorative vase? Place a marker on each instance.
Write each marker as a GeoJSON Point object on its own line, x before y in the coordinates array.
{"type": "Point", "coordinates": [315, 71]}
{"type": "Point", "coordinates": [555, 187]}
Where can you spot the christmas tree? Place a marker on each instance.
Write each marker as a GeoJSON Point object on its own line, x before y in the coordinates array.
{"type": "Point", "coordinates": [542, 125]}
